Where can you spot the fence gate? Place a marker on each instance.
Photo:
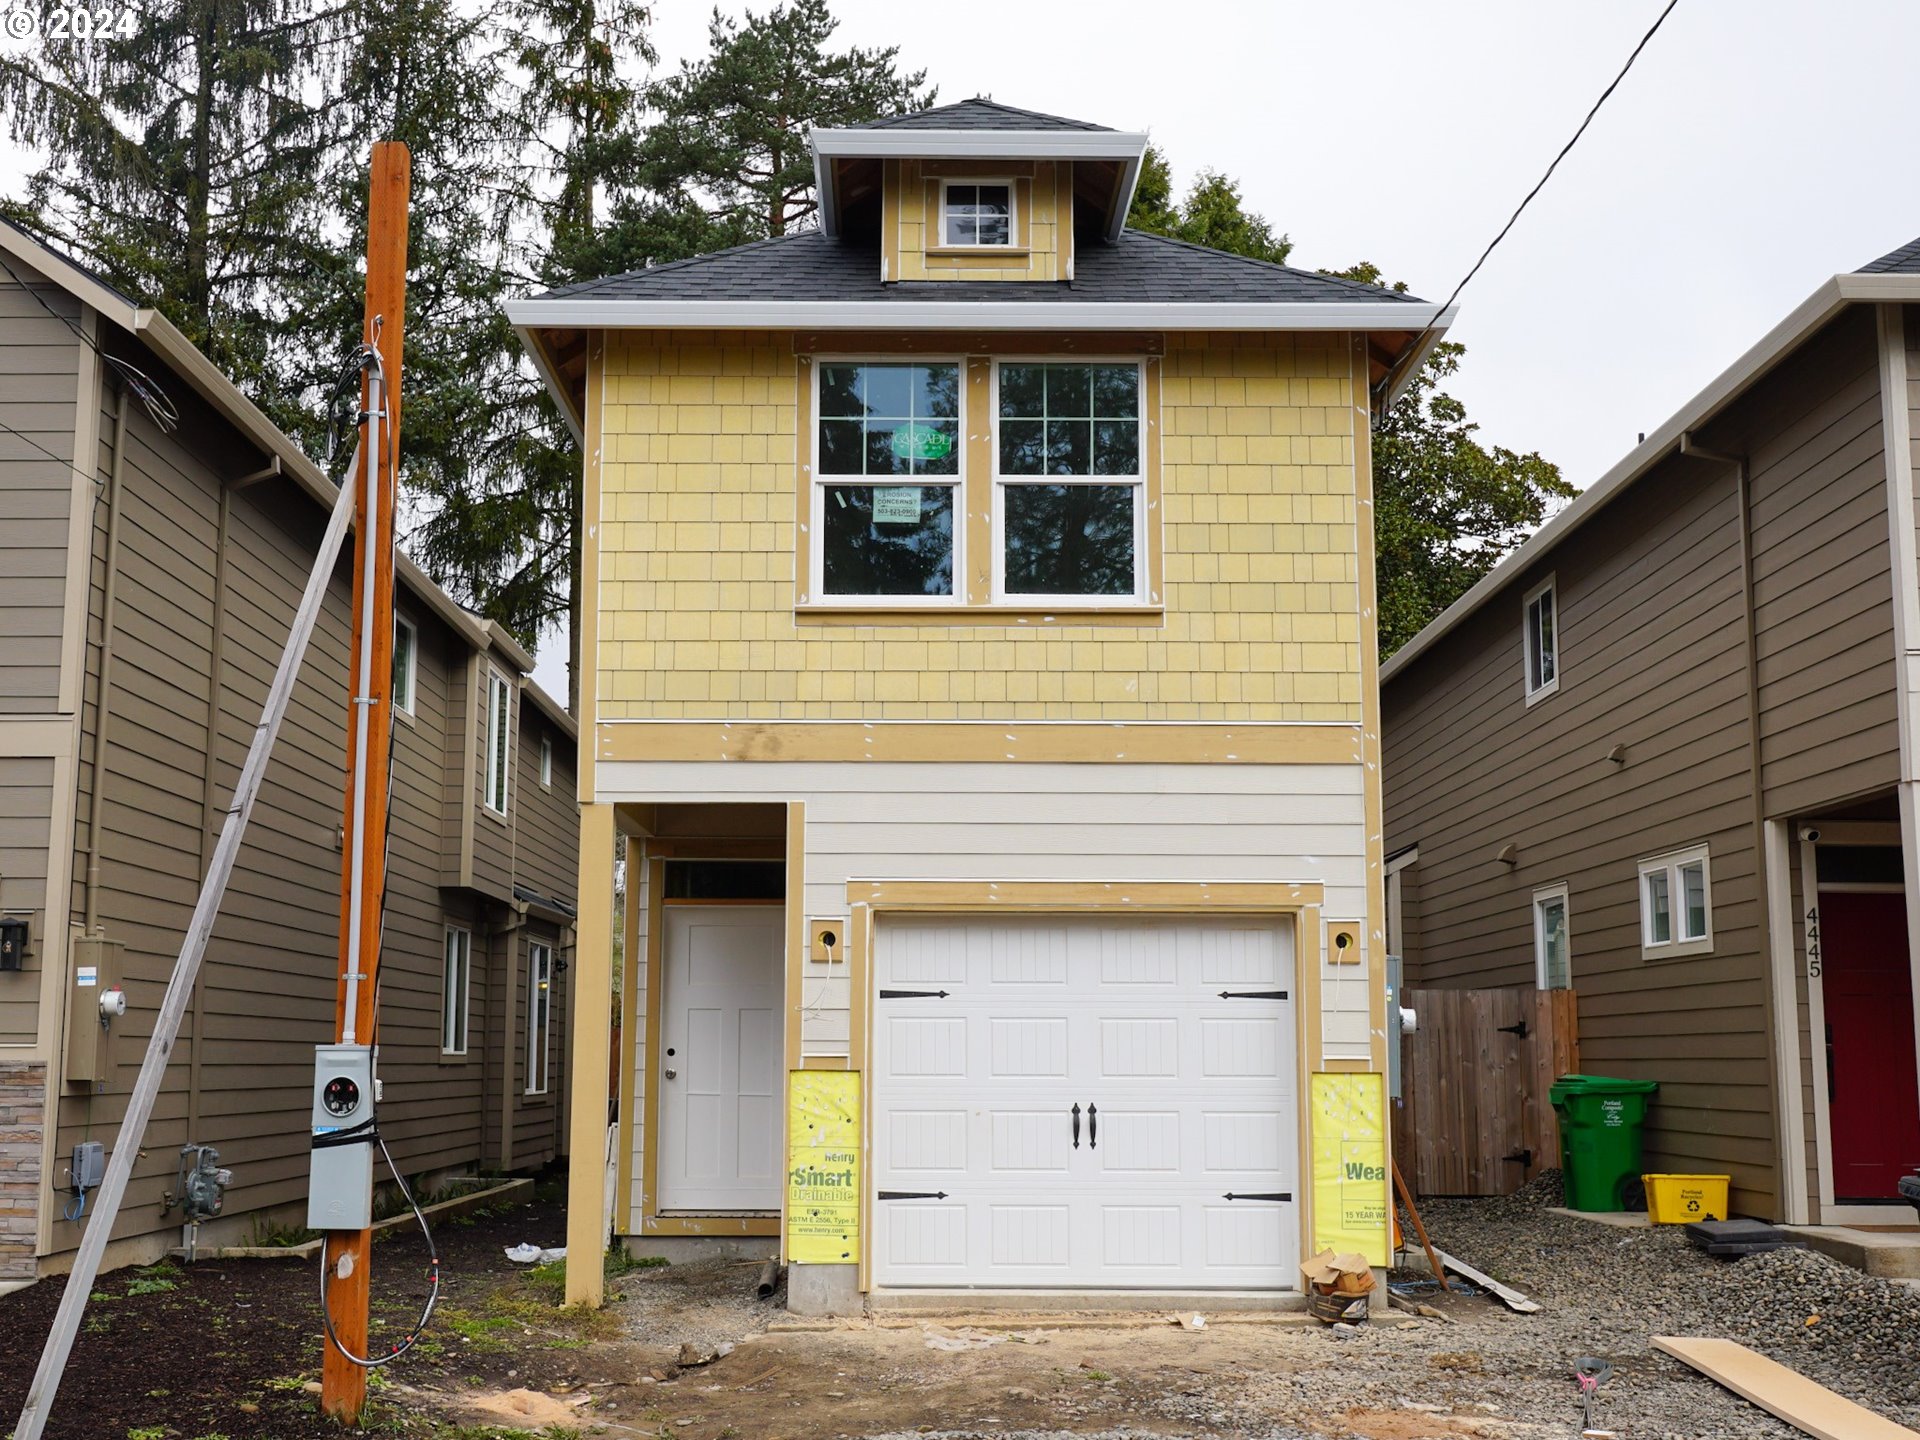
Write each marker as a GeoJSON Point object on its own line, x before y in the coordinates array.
{"type": "Point", "coordinates": [1475, 1118]}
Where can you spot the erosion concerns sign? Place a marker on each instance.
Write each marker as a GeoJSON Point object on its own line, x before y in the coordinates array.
{"type": "Point", "coordinates": [823, 1167]}
{"type": "Point", "coordinates": [1349, 1118]}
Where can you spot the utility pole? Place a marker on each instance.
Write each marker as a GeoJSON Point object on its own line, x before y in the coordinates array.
{"type": "Point", "coordinates": [343, 1384]}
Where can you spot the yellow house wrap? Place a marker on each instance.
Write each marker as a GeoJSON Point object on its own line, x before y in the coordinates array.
{"type": "Point", "coordinates": [980, 668]}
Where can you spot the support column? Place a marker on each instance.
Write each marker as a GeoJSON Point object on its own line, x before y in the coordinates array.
{"type": "Point", "coordinates": [592, 979]}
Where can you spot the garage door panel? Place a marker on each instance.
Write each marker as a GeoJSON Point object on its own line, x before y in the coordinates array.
{"type": "Point", "coordinates": [1185, 1097]}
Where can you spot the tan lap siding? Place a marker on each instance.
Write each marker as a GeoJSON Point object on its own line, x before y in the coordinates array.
{"type": "Point", "coordinates": [26, 804]}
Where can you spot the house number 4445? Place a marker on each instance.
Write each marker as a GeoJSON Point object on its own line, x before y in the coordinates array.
{"type": "Point", "coordinates": [1813, 942]}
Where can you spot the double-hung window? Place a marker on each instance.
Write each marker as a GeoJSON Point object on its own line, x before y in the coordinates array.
{"type": "Point", "coordinates": [1068, 484]}
{"type": "Point", "coordinates": [499, 741]}
{"type": "Point", "coordinates": [456, 978]}
{"type": "Point", "coordinates": [1542, 642]}
{"type": "Point", "coordinates": [1552, 953]}
{"type": "Point", "coordinates": [887, 482]}
{"type": "Point", "coordinates": [1676, 904]}
{"type": "Point", "coordinates": [539, 1016]}
{"type": "Point", "coordinates": [976, 213]}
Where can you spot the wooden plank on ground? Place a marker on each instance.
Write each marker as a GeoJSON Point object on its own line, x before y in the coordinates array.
{"type": "Point", "coordinates": [1780, 1391]}
{"type": "Point", "coordinates": [1509, 1297]}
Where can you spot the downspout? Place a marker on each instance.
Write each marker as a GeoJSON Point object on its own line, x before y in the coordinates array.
{"type": "Point", "coordinates": [110, 586]}
{"type": "Point", "coordinates": [1743, 493]}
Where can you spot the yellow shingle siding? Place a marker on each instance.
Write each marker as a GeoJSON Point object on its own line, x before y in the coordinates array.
{"type": "Point", "coordinates": [1043, 214]}
{"type": "Point", "coordinates": [697, 543]}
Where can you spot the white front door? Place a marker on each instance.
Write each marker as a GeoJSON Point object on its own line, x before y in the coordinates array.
{"type": "Point", "coordinates": [718, 1066]}
{"type": "Point", "coordinates": [1085, 1102]}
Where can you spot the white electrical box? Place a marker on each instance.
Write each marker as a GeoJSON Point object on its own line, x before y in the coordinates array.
{"type": "Point", "coordinates": [340, 1187]}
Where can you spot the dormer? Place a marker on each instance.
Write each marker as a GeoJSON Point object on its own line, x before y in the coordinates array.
{"type": "Point", "coordinates": [976, 191]}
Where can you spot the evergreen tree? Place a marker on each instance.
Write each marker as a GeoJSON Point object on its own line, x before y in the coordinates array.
{"type": "Point", "coordinates": [1212, 214]}
{"type": "Point", "coordinates": [730, 132]}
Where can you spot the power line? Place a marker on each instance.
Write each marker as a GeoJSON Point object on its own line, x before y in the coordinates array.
{"type": "Point", "coordinates": [1540, 184]}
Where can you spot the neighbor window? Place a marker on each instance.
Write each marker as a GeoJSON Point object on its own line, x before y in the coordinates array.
{"type": "Point", "coordinates": [406, 647]}
{"type": "Point", "coordinates": [499, 740]}
{"type": "Point", "coordinates": [546, 762]}
{"type": "Point", "coordinates": [887, 481]}
{"type": "Point", "coordinates": [455, 980]}
{"type": "Point", "coordinates": [539, 1015]}
{"type": "Point", "coordinates": [972, 213]}
{"type": "Point", "coordinates": [1676, 903]}
{"type": "Point", "coordinates": [1552, 957]}
{"type": "Point", "coordinates": [1068, 495]}
{"type": "Point", "coordinates": [1542, 642]}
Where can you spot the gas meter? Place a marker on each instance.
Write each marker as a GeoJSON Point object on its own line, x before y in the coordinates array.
{"type": "Point", "coordinates": [340, 1188]}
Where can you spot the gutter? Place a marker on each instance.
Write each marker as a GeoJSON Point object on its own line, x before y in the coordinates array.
{"type": "Point", "coordinates": [1835, 295]}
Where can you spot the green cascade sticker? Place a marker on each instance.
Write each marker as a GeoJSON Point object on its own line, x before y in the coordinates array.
{"type": "Point", "coordinates": [921, 442]}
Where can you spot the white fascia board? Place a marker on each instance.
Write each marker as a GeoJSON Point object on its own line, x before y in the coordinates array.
{"type": "Point", "coordinates": [827, 199]}
{"type": "Point", "coordinates": [901, 144]}
{"type": "Point", "coordinates": [1129, 183]}
{"type": "Point", "coordinates": [543, 363]}
{"type": "Point", "coordinates": [1812, 313]}
{"type": "Point", "coordinates": [588, 312]}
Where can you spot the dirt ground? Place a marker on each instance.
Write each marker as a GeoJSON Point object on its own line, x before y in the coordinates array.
{"type": "Point", "coordinates": [230, 1350]}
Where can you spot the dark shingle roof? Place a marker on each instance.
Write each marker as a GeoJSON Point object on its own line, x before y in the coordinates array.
{"type": "Point", "coordinates": [978, 113]}
{"type": "Point", "coordinates": [1142, 267]}
{"type": "Point", "coordinates": [1904, 261]}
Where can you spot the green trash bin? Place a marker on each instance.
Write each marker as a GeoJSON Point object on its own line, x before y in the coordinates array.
{"type": "Point", "coordinates": [1601, 1123]}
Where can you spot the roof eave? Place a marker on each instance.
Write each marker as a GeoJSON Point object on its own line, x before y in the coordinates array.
{"type": "Point", "coordinates": [588, 312]}
{"type": "Point", "coordinates": [1810, 315]}
{"type": "Point", "coordinates": [549, 376]}
{"type": "Point", "coordinates": [909, 144]}
{"type": "Point", "coordinates": [552, 708]}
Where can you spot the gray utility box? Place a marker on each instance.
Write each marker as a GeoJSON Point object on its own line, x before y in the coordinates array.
{"type": "Point", "coordinates": [340, 1189]}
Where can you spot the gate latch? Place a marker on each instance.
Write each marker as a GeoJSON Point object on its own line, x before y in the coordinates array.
{"type": "Point", "coordinates": [1524, 1157]}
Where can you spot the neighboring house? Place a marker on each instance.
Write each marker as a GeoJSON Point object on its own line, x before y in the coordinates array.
{"type": "Point", "coordinates": [979, 646]}
{"type": "Point", "coordinates": [1666, 753]}
{"type": "Point", "coordinates": [148, 589]}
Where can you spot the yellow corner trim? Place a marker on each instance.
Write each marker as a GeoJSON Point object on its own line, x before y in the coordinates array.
{"type": "Point", "coordinates": [983, 742]}
{"type": "Point", "coordinates": [1164, 896]}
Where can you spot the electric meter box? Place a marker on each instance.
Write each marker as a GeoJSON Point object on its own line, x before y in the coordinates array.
{"type": "Point", "coordinates": [340, 1187]}
{"type": "Point", "coordinates": [90, 1023]}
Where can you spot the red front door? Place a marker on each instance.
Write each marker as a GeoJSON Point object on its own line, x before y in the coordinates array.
{"type": "Point", "coordinates": [1873, 1100]}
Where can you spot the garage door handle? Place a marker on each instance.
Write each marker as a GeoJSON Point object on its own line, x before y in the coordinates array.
{"type": "Point", "coordinates": [1076, 1124]}
{"type": "Point", "coordinates": [1093, 1127]}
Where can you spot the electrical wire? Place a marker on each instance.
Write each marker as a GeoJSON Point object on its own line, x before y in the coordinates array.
{"type": "Point", "coordinates": [1540, 184]}
{"type": "Point", "coordinates": [412, 1337]}
{"type": "Point", "coordinates": [164, 412]}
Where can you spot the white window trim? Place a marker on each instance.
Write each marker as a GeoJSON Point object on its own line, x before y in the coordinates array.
{"type": "Point", "coordinates": [505, 740]}
{"type": "Point", "coordinates": [466, 990]}
{"type": "Point", "coordinates": [403, 702]}
{"type": "Point", "coordinates": [1672, 863]}
{"type": "Point", "coordinates": [534, 950]}
{"type": "Point", "coordinates": [1541, 897]}
{"type": "Point", "coordinates": [1013, 215]}
{"type": "Point", "coordinates": [1527, 687]}
{"type": "Point", "coordinates": [1001, 595]}
{"type": "Point", "coordinates": [817, 501]}
{"type": "Point", "coordinates": [546, 762]}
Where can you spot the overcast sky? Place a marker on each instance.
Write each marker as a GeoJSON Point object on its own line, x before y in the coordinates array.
{"type": "Point", "coordinates": [1758, 147]}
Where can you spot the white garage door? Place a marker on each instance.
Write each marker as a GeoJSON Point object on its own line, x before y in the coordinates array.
{"type": "Point", "coordinates": [1084, 1102]}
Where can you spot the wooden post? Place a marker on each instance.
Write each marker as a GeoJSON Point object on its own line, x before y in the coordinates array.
{"type": "Point", "coordinates": [343, 1385]}
{"type": "Point", "coordinates": [592, 979]}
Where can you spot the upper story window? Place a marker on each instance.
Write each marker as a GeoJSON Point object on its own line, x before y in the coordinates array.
{"type": "Point", "coordinates": [546, 762]}
{"type": "Point", "coordinates": [1068, 493]}
{"type": "Point", "coordinates": [406, 649]}
{"type": "Point", "coordinates": [1676, 904]}
{"type": "Point", "coordinates": [887, 480]}
{"type": "Point", "coordinates": [499, 741]}
{"type": "Point", "coordinates": [1542, 641]}
{"type": "Point", "coordinates": [1552, 952]}
{"type": "Point", "coordinates": [973, 213]}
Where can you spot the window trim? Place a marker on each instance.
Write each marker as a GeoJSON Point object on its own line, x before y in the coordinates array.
{"type": "Point", "coordinates": [1528, 688]}
{"type": "Point", "coordinates": [1543, 897]}
{"type": "Point", "coordinates": [546, 762]}
{"type": "Point", "coordinates": [504, 752]}
{"type": "Point", "coordinates": [1015, 238]}
{"type": "Point", "coordinates": [403, 703]}
{"type": "Point", "coordinates": [819, 480]}
{"type": "Point", "coordinates": [1671, 863]}
{"type": "Point", "coordinates": [449, 1051]}
{"type": "Point", "coordinates": [1139, 597]}
{"type": "Point", "coordinates": [535, 949]}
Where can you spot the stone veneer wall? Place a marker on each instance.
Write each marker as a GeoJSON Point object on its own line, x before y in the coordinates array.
{"type": "Point", "coordinates": [23, 1118]}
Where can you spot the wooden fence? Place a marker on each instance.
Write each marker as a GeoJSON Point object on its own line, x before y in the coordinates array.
{"type": "Point", "coordinates": [1475, 1118]}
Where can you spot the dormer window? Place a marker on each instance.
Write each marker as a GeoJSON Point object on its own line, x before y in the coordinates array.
{"type": "Point", "coordinates": [976, 213]}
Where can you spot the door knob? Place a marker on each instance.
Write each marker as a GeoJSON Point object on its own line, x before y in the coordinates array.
{"type": "Point", "coordinates": [673, 1074]}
